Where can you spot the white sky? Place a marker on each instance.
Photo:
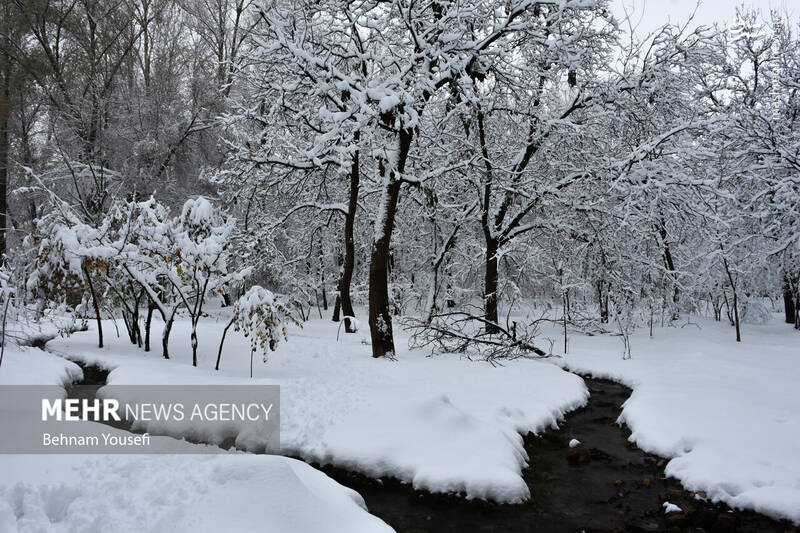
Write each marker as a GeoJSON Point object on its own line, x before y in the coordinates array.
{"type": "Point", "coordinates": [654, 13]}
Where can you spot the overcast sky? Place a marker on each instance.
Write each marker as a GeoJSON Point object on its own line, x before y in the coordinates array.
{"type": "Point", "coordinates": [654, 13]}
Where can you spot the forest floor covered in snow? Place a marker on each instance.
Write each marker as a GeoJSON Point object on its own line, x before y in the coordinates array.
{"type": "Point", "coordinates": [443, 424]}
{"type": "Point", "coordinates": [726, 415]}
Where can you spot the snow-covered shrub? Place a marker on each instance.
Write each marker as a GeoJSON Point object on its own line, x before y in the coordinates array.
{"type": "Point", "coordinates": [756, 311]}
{"type": "Point", "coordinates": [6, 295]}
{"type": "Point", "coordinates": [72, 256]}
{"type": "Point", "coordinates": [137, 255]}
{"type": "Point", "coordinates": [203, 252]}
{"type": "Point", "coordinates": [261, 318]}
{"type": "Point", "coordinates": [68, 248]}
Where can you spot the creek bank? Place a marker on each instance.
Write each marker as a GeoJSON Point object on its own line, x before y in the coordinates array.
{"type": "Point", "coordinates": [603, 484]}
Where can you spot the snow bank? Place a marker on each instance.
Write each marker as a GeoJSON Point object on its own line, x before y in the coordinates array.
{"type": "Point", "coordinates": [136, 493]}
{"type": "Point", "coordinates": [726, 413]}
{"type": "Point", "coordinates": [443, 423]}
{"type": "Point", "coordinates": [440, 456]}
{"type": "Point", "coordinates": [31, 366]}
{"type": "Point", "coordinates": [237, 492]}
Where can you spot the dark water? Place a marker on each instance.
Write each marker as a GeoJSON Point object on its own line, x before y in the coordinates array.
{"type": "Point", "coordinates": [605, 484]}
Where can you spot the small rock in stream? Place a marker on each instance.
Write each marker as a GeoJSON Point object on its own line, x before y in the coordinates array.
{"type": "Point", "coordinates": [579, 454]}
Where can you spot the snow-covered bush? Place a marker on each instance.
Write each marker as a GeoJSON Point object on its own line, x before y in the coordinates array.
{"type": "Point", "coordinates": [71, 257]}
{"type": "Point", "coordinates": [138, 255]}
{"type": "Point", "coordinates": [202, 250]}
{"type": "Point", "coordinates": [6, 295]}
{"type": "Point", "coordinates": [261, 318]}
{"type": "Point", "coordinates": [756, 311]}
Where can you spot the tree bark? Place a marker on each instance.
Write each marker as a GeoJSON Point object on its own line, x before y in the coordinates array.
{"type": "Point", "coordinates": [797, 310]}
{"type": "Point", "coordinates": [736, 315]}
{"type": "Point", "coordinates": [193, 338]}
{"type": "Point", "coordinates": [349, 246]}
{"type": "Point", "coordinates": [194, 343]}
{"type": "Point", "coordinates": [728, 312]}
{"type": "Point", "coordinates": [735, 300]}
{"type": "Point", "coordinates": [669, 263]}
{"type": "Point", "coordinates": [127, 318]}
{"type": "Point", "coordinates": [717, 306]}
{"type": "Point", "coordinates": [788, 304]}
{"type": "Point", "coordinates": [430, 301]}
{"type": "Point", "coordinates": [96, 308]}
{"type": "Point", "coordinates": [602, 299]}
{"type": "Point", "coordinates": [148, 321]}
{"type": "Point", "coordinates": [380, 319]}
{"type": "Point", "coordinates": [490, 285]}
{"type": "Point", "coordinates": [490, 279]}
{"type": "Point", "coordinates": [165, 333]}
{"type": "Point", "coordinates": [134, 332]}
{"type": "Point", "coordinates": [5, 106]}
{"type": "Point", "coordinates": [222, 342]}
{"type": "Point", "coordinates": [337, 306]}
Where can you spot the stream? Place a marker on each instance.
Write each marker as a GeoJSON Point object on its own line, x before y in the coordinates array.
{"type": "Point", "coordinates": [604, 484]}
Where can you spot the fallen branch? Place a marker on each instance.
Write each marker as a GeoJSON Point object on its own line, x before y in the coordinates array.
{"type": "Point", "coordinates": [462, 332]}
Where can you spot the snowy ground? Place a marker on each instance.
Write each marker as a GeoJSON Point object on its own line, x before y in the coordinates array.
{"type": "Point", "coordinates": [135, 493]}
{"type": "Point", "coordinates": [443, 424]}
{"type": "Point", "coordinates": [727, 413]}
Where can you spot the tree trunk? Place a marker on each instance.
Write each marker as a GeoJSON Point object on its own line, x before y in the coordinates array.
{"type": "Point", "coordinates": [564, 318]}
{"type": "Point", "coordinates": [728, 312]}
{"type": "Point", "coordinates": [797, 310]}
{"type": "Point", "coordinates": [602, 299]}
{"type": "Point", "coordinates": [439, 258]}
{"type": "Point", "coordinates": [96, 308]}
{"type": "Point", "coordinates": [5, 316]}
{"type": "Point", "coordinates": [430, 302]}
{"type": "Point", "coordinates": [349, 246]}
{"type": "Point", "coordinates": [736, 315]}
{"type": "Point", "coordinates": [165, 333]}
{"type": "Point", "coordinates": [669, 263]}
{"type": "Point", "coordinates": [337, 306]}
{"type": "Point", "coordinates": [5, 106]}
{"type": "Point", "coordinates": [227, 299]}
{"type": "Point", "coordinates": [222, 342]}
{"type": "Point", "coordinates": [127, 318]}
{"type": "Point", "coordinates": [131, 320]}
{"type": "Point", "coordinates": [380, 320]}
{"type": "Point", "coordinates": [148, 321]}
{"type": "Point", "coordinates": [194, 343]}
{"type": "Point", "coordinates": [490, 280]}
{"type": "Point", "coordinates": [735, 300]}
{"type": "Point", "coordinates": [319, 309]}
{"type": "Point", "coordinates": [139, 339]}
{"type": "Point", "coordinates": [490, 285]}
{"type": "Point", "coordinates": [788, 304]}
{"type": "Point", "coordinates": [716, 305]}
